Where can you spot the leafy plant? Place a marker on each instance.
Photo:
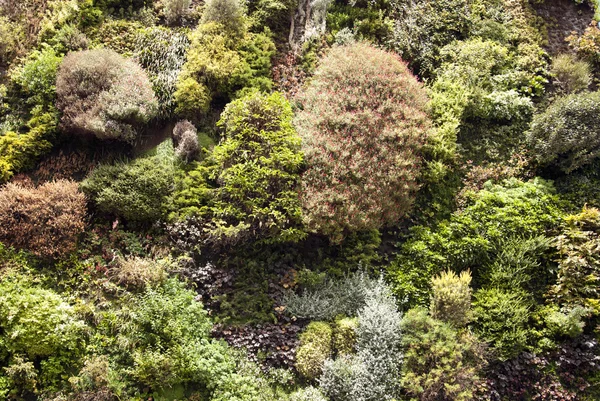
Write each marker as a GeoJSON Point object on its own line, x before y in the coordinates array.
{"type": "Point", "coordinates": [315, 348]}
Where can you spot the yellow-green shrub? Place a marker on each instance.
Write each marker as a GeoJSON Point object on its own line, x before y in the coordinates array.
{"type": "Point", "coordinates": [344, 338]}
{"type": "Point", "coordinates": [451, 301]}
{"type": "Point", "coordinates": [315, 348]}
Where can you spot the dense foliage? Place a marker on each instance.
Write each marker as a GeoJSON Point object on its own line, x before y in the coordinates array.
{"type": "Point", "coordinates": [362, 121]}
{"type": "Point", "coordinates": [312, 200]}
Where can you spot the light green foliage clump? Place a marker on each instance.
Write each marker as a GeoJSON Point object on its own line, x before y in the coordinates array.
{"type": "Point", "coordinates": [579, 262]}
{"type": "Point", "coordinates": [13, 39]}
{"type": "Point", "coordinates": [440, 363]}
{"type": "Point", "coordinates": [315, 348]}
{"type": "Point", "coordinates": [41, 337]}
{"type": "Point", "coordinates": [248, 185]}
{"type": "Point", "coordinates": [37, 76]}
{"type": "Point", "coordinates": [137, 190]}
{"type": "Point", "coordinates": [474, 236]}
{"type": "Point", "coordinates": [224, 60]}
{"type": "Point", "coordinates": [451, 300]}
{"type": "Point", "coordinates": [502, 319]}
{"type": "Point", "coordinates": [566, 134]}
{"type": "Point", "coordinates": [344, 335]}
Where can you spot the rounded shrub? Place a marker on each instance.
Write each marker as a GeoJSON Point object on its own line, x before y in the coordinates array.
{"type": "Point", "coordinates": [567, 134]}
{"type": "Point", "coordinates": [344, 338]}
{"type": "Point", "coordinates": [185, 137]}
{"type": "Point", "coordinates": [362, 120]}
{"type": "Point", "coordinates": [451, 301]}
{"type": "Point", "coordinates": [314, 350]}
{"type": "Point", "coordinates": [45, 220]}
{"type": "Point", "coordinates": [103, 94]}
{"type": "Point", "coordinates": [570, 74]}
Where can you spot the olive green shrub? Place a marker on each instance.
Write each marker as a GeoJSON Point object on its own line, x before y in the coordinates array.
{"type": "Point", "coordinates": [566, 135]}
{"type": "Point", "coordinates": [137, 190]}
{"type": "Point", "coordinates": [103, 94]}
{"type": "Point", "coordinates": [344, 335]}
{"type": "Point", "coordinates": [440, 363]}
{"type": "Point", "coordinates": [451, 300]}
{"type": "Point", "coordinates": [570, 75]}
{"type": "Point", "coordinates": [315, 348]}
{"type": "Point", "coordinates": [248, 186]}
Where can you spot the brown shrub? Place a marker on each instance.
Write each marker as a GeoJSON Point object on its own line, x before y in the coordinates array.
{"type": "Point", "coordinates": [138, 272]}
{"type": "Point", "coordinates": [45, 220]}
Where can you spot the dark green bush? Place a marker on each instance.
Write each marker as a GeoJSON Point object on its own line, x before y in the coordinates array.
{"type": "Point", "coordinates": [567, 134]}
{"type": "Point", "coordinates": [136, 190]}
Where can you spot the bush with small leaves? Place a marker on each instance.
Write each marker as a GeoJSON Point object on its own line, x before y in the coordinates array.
{"type": "Point", "coordinates": [362, 121]}
{"type": "Point", "coordinates": [103, 94]}
{"type": "Point", "coordinates": [344, 335]}
{"type": "Point", "coordinates": [502, 319]}
{"type": "Point", "coordinates": [314, 349]}
{"type": "Point", "coordinates": [570, 75]}
{"type": "Point", "coordinates": [567, 134]}
{"type": "Point", "coordinates": [256, 171]}
{"type": "Point", "coordinates": [137, 273]}
{"type": "Point", "coordinates": [137, 190]}
{"type": "Point", "coordinates": [307, 394]}
{"type": "Point", "coordinates": [227, 13]}
{"type": "Point", "coordinates": [45, 220]}
{"type": "Point", "coordinates": [451, 300]}
{"type": "Point", "coordinates": [440, 363]}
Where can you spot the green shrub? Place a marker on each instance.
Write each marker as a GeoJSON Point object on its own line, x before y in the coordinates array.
{"type": "Point", "coordinates": [41, 336]}
{"type": "Point", "coordinates": [256, 172]}
{"type": "Point", "coordinates": [502, 319]}
{"type": "Point", "coordinates": [175, 10]}
{"type": "Point", "coordinates": [344, 335]}
{"type": "Point", "coordinates": [471, 238]}
{"type": "Point", "coordinates": [570, 75]}
{"type": "Point", "coordinates": [451, 300]}
{"type": "Point", "coordinates": [362, 121]}
{"type": "Point", "coordinates": [13, 39]}
{"type": "Point", "coordinates": [103, 94]}
{"type": "Point", "coordinates": [137, 190]}
{"type": "Point", "coordinates": [578, 262]}
{"type": "Point", "coordinates": [227, 13]}
{"type": "Point", "coordinates": [314, 349]}
{"type": "Point", "coordinates": [37, 76]}
{"type": "Point", "coordinates": [566, 134]}
{"type": "Point", "coordinates": [440, 363]}
{"type": "Point", "coordinates": [222, 64]}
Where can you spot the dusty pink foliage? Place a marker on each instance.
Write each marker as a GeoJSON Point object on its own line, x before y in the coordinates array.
{"type": "Point", "coordinates": [363, 122]}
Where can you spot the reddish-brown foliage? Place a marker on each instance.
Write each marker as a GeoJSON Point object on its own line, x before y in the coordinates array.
{"type": "Point", "coordinates": [363, 123]}
{"type": "Point", "coordinates": [45, 220]}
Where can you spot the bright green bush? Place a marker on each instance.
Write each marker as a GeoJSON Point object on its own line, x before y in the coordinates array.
{"type": "Point", "coordinates": [137, 190]}
{"type": "Point", "coordinates": [314, 349]}
{"type": "Point", "coordinates": [41, 336]}
{"type": "Point", "coordinates": [37, 76]}
{"type": "Point", "coordinates": [362, 121]}
{"type": "Point", "coordinates": [256, 171]}
{"type": "Point", "coordinates": [566, 134]}
{"type": "Point", "coordinates": [440, 363]}
{"type": "Point", "coordinates": [103, 94]}
{"type": "Point", "coordinates": [502, 319]}
{"type": "Point", "coordinates": [472, 237]}
{"type": "Point", "coordinates": [222, 64]}
{"type": "Point", "coordinates": [451, 300]}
